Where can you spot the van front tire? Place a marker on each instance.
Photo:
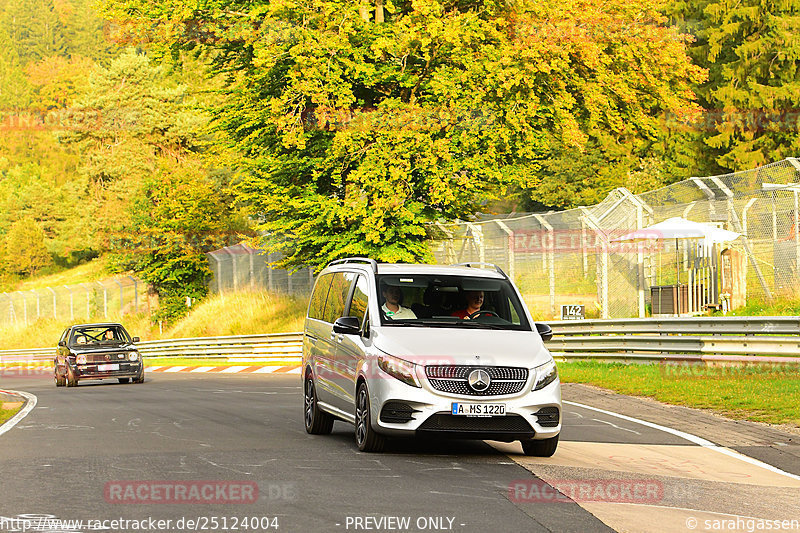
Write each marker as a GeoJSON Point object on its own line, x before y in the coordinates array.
{"type": "Point", "coordinates": [317, 421]}
{"type": "Point", "coordinates": [366, 438]}
{"type": "Point", "coordinates": [541, 447]}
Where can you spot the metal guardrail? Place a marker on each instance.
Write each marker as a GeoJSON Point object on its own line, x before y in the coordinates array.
{"type": "Point", "coordinates": [690, 339]}
{"type": "Point", "coordinates": [701, 339]}
{"type": "Point", "coordinates": [736, 325]}
{"type": "Point", "coordinates": [278, 347]}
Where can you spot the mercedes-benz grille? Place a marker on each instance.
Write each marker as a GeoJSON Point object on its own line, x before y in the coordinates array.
{"type": "Point", "coordinates": [470, 380]}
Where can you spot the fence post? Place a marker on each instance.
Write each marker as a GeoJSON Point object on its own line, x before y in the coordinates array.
{"type": "Point", "coordinates": [38, 303]}
{"type": "Point", "coordinates": [602, 265]}
{"type": "Point", "coordinates": [121, 299]}
{"type": "Point", "coordinates": [551, 260]}
{"type": "Point", "coordinates": [135, 294]}
{"type": "Point", "coordinates": [24, 308]}
{"type": "Point", "coordinates": [251, 253]}
{"type": "Point", "coordinates": [71, 303]}
{"type": "Point", "coordinates": [55, 302]}
{"type": "Point", "coordinates": [233, 268]}
{"type": "Point", "coordinates": [88, 301]}
{"type": "Point", "coordinates": [511, 253]}
{"type": "Point", "coordinates": [105, 299]}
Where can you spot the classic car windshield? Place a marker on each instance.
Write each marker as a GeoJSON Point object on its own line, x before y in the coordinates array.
{"type": "Point", "coordinates": [99, 335]}
{"type": "Point", "coordinates": [428, 300]}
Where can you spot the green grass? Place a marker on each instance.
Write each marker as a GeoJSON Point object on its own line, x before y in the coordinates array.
{"type": "Point", "coordinates": [760, 393]}
{"type": "Point", "coordinates": [780, 307]}
{"type": "Point", "coordinates": [6, 414]}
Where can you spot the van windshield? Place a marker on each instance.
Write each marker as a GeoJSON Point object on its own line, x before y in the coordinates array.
{"type": "Point", "coordinates": [428, 300]}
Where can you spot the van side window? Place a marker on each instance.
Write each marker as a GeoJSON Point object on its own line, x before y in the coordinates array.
{"type": "Point", "coordinates": [317, 304]}
{"type": "Point", "coordinates": [358, 306]}
{"type": "Point", "coordinates": [337, 296]}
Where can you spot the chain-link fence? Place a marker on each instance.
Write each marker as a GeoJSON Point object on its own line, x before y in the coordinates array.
{"type": "Point", "coordinates": [109, 299]}
{"type": "Point", "coordinates": [241, 267]}
{"type": "Point", "coordinates": [574, 257]}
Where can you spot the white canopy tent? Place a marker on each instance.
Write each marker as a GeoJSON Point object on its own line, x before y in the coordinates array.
{"type": "Point", "coordinates": [681, 229]}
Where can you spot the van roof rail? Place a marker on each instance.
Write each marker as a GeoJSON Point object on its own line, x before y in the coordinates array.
{"type": "Point", "coordinates": [361, 260]}
{"type": "Point", "coordinates": [479, 263]}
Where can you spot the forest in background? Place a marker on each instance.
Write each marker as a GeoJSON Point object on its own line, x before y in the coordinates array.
{"type": "Point", "coordinates": [154, 131]}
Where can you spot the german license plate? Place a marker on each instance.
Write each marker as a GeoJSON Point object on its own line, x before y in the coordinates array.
{"type": "Point", "coordinates": [107, 368]}
{"type": "Point", "coordinates": [478, 409]}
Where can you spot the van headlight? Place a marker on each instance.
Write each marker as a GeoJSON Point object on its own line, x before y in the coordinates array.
{"type": "Point", "coordinates": [399, 369]}
{"type": "Point", "coordinates": [545, 375]}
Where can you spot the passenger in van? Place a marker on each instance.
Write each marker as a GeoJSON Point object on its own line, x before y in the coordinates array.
{"type": "Point", "coordinates": [391, 307]}
{"type": "Point", "coordinates": [474, 304]}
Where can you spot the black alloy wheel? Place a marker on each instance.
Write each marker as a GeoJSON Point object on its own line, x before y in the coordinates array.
{"type": "Point", "coordinates": [540, 448]}
{"type": "Point", "coordinates": [317, 421]}
{"type": "Point", "coordinates": [367, 439]}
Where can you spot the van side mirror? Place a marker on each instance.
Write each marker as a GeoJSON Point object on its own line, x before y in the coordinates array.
{"type": "Point", "coordinates": [347, 325]}
{"type": "Point", "coordinates": [62, 343]}
{"type": "Point", "coordinates": [135, 339]}
{"type": "Point", "coordinates": [545, 331]}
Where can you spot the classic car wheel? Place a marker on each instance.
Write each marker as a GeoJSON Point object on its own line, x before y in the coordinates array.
{"type": "Point", "coordinates": [72, 381]}
{"type": "Point", "coordinates": [366, 438]}
{"type": "Point", "coordinates": [123, 380]}
{"type": "Point", "coordinates": [60, 380]}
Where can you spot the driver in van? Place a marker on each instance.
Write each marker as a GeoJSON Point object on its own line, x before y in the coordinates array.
{"type": "Point", "coordinates": [391, 307]}
{"type": "Point", "coordinates": [474, 304]}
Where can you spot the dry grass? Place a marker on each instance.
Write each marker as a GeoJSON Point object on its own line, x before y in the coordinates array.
{"type": "Point", "coordinates": [94, 270]}
{"type": "Point", "coordinates": [46, 331]}
{"type": "Point", "coordinates": [242, 313]}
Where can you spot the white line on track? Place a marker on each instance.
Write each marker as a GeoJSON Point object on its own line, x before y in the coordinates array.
{"type": "Point", "coordinates": [29, 405]}
{"type": "Point", "coordinates": [691, 438]}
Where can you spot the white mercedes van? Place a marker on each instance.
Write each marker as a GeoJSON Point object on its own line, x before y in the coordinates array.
{"type": "Point", "coordinates": [404, 350]}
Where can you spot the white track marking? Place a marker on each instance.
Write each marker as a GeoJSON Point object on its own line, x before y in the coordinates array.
{"type": "Point", "coordinates": [691, 438]}
{"type": "Point", "coordinates": [14, 420]}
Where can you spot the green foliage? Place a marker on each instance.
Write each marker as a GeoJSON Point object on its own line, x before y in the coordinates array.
{"type": "Point", "coordinates": [752, 96]}
{"type": "Point", "coordinates": [35, 28]}
{"type": "Point", "coordinates": [350, 134]}
{"type": "Point", "coordinates": [177, 218]}
{"type": "Point", "coordinates": [25, 249]}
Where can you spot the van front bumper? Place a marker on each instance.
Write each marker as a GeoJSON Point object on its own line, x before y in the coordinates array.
{"type": "Point", "coordinates": [403, 410]}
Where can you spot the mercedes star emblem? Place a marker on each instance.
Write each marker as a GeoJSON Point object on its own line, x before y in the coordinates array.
{"type": "Point", "coordinates": [479, 380]}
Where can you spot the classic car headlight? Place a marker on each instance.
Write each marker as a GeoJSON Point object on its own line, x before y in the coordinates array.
{"type": "Point", "coordinates": [545, 374]}
{"type": "Point", "coordinates": [80, 359]}
{"type": "Point", "coordinates": [399, 369]}
{"type": "Point", "coordinates": [133, 356]}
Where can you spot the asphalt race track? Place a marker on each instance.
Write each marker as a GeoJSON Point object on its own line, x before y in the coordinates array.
{"type": "Point", "coordinates": [219, 452]}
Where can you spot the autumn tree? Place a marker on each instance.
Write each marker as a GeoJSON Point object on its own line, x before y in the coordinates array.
{"type": "Point", "coordinates": [352, 128]}
{"type": "Point", "coordinates": [25, 249]}
{"type": "Point", "coordinates": [179, 215]}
